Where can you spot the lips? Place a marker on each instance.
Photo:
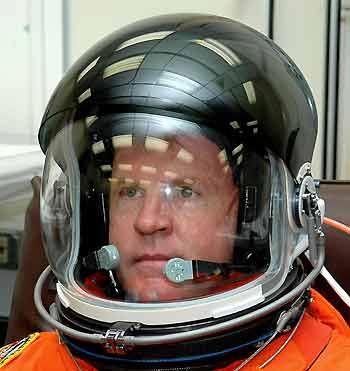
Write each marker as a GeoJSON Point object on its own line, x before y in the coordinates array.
{"type": "Point", "coordinates": [151, 265]}
{"type": "Point", "coordinates": [152, 257]}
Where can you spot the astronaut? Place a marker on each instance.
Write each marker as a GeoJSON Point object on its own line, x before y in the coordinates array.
{"type": "Point", "coordinates": [178, 208]}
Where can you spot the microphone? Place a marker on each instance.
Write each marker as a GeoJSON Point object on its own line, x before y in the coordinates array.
{"type": "Point", "coordinates": [107, 257]}
{"type": "Point", "coordinates": [178, 270]}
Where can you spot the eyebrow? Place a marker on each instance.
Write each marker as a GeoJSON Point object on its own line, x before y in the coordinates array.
{"type": "Point", "coordinates": [177, 181]}
{"type": "Point", "coordinates": [122, 180]}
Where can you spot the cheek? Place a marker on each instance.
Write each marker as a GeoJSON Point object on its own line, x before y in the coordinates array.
{"type": "Point", "coordinates": [208, 238]}
{"type": "Point", "coordinates": [121, 232]}
{"type": "Point", "coordinates": [120, 235]}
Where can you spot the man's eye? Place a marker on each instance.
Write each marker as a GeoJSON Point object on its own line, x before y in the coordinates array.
{"type": "Point", "coordinates": [187, 192]}
{"type": "Point", "coordinates": [130, 192]}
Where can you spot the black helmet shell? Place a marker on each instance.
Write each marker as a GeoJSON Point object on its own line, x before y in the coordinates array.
{"type": "Point", "coordinates": [205, 69]}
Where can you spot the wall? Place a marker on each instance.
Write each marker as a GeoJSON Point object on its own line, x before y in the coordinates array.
{"type": "Point", "coordinates": [89, 21]}
{"type": "Point", "coordinates": [343, 142]}
{"type": "Point", "coordinates": [15, 63]}
{"type": "Point", "coordinates": [300, 29]}
{"type": "Point", "coordinates": [31, 66]}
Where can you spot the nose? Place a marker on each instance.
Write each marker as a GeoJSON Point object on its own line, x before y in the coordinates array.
{"type": "Point", "coordinates": [154, 215]}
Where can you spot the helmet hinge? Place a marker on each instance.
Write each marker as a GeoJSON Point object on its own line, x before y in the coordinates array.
{"type": "Point", "coordinates": [308, 203]}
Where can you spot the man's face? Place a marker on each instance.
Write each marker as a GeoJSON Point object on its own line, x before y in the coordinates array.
{"type": "Point", "coordinates": [176, 199]}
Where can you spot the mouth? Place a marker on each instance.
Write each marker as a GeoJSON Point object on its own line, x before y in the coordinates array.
{"type": "Point", "coordinates": [152, 257]}
{"type": "Point", "coordinates": [151, 265]}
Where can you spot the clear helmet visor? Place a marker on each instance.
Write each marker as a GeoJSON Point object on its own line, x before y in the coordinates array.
{"type": "Point", "coordinates": [147, 209]}
{"type": "Point", "coordinates": [171, 199]}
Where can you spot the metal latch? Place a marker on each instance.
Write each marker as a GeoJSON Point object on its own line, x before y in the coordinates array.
{"type": "Point", "coordinates": [114, 337]}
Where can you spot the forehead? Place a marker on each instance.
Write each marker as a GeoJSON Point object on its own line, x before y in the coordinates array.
{"type": "Point", "coordinates": [181, 155]}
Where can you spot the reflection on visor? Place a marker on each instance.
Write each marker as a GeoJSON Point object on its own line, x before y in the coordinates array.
{"type": "Point", "coordinates": [128, 193]}
{"type": "Point", "coordinates": [167, 199]}
{"type": "Point", "coordinates": [193, 277]}
{"type": "Point", "coordinates": [154, 199]}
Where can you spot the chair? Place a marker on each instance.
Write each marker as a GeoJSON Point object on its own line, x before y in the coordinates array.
{"type": "Point", "coordinates": [337, 198]}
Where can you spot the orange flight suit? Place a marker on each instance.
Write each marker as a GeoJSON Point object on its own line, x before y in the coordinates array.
{"type": "Point", "coordinates": [321, 343]}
